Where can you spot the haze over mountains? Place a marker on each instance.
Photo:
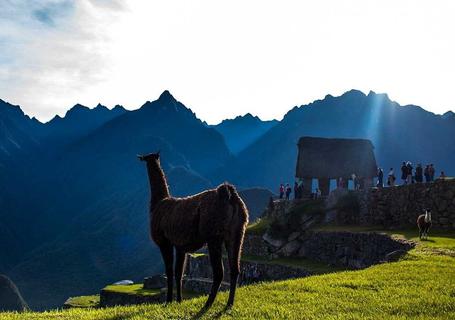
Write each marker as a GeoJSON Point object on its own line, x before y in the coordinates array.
{"type": "Point", "coordinates": [73, 197]}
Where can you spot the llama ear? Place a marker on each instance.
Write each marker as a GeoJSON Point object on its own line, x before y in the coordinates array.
{"type": "Point", "coordinates": [140, 157]}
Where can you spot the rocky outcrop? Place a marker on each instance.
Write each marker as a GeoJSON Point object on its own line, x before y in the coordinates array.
{"type": "Point", "coordinates": [400, 206]}
{"type": "Point", "coordinates": [10, 297]}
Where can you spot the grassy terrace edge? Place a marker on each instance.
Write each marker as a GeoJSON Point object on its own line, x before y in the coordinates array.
{"type": "Point", "coordinates": [420, 286]}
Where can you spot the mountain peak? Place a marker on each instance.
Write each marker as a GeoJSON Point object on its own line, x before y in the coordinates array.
{"type": "Point", "coordinates": [99, 106]}
{"type": "Point", "coordinates": [76, 108]}
{"type": "Point", "coordinates": [166, 96]}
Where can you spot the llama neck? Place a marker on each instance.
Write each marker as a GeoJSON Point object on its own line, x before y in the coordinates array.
{"type": "Point", "coordinates": [427, 217]}
{"type": "Point", "coordinates": [158, 185]}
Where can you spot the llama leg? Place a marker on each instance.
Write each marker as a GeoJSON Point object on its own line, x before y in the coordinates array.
{"type": "Point", "coordinates": [179, 267]}
{"type": "Point", "coordinates": [168, 257]}
{"type": "Point", "coordinates": [233, 250]}
{"type": "Point", "coordinates": [216, 260]}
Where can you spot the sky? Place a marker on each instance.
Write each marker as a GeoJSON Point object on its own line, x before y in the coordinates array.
{"type": "Point", "coordinates": [224, 58]}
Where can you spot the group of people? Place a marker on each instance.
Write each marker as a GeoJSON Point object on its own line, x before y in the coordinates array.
{"type": "Point", "coordinates": [409, 175]}
{"type": "Point", "coordinates": [285, 190]}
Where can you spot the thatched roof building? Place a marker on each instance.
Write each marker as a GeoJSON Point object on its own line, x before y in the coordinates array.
{"type": "Point", "coordinates": [334, 158]}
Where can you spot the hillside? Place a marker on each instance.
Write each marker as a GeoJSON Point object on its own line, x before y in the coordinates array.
{"type": "Point", "coordinates": [385, 291]}
{"type": "Point", "coordinates": [242, 131]}
{"type": "Point", "coordinates": [399, 133]}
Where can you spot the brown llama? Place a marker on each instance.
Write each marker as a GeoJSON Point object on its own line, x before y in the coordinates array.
{"type": "Point", "coordinates": [213, 217]}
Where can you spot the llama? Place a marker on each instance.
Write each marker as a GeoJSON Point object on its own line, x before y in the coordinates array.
{"type": "Point", "coordinates": [213, 218]}
{"type": "Point", "coordinates": [424, 224]}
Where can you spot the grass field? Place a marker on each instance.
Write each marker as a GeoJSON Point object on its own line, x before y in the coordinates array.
{"type": "Point", "coordinates": [420, 286]}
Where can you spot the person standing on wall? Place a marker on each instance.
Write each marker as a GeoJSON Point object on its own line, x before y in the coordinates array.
{"type": "Point", "coordinates": [409, 172]}
{"type": "Point", "coordinates": [432, 172]}
{"type": "Point", "coordinates": [404, 172]}
{"type": "Point", "coordinates": [419, 173]}
{"type": "Point", "coordinates": [288, 191]}
{"type": "Point", "coordinates": [391, 178]}
{"type": "Point", "coordinates": [281, 191]}
{"type": "Point", "coordinates": [380, 178]}
{"type": "Point", "coordinates": [426, 172]}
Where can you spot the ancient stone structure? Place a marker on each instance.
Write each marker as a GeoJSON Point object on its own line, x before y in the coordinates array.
{"type": "Point", "coordinates": [398, 207]}
{"type": "Point", "coordinates": [353, 250]}
{"type": "Point", "coordinates": [325, 159]}
{"type": "Point", "coordinates": [199, 267]}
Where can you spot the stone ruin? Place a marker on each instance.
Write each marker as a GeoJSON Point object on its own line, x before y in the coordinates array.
{"type": "Point", "coordinates": [325, 159]}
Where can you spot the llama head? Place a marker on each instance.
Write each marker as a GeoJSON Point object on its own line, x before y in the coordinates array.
{"type": "Point", "coordinates": [149, 157]}
{"type": "Point", "coordinates": [427, 215]}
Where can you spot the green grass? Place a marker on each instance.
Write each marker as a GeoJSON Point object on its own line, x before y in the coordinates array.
{"type": "Point", "coordinates": [259, 227]}
{"type": "Point", "coordinates": [83, 301]}
{"type": "Point", "coordinates": [136, 289]}
{"type": "Point", "coordinates": [420, 286]}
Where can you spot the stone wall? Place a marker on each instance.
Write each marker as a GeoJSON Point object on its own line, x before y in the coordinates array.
{"type": "Point", "coordinates": [199, 267]}
{"type": "Point", "coordinates": [346, 249]}
{"type": "Point", "coordinates": [400, 206]}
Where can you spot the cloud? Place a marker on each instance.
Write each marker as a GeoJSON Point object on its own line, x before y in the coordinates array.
{"type": "Point", "coordinates": [55, 48]}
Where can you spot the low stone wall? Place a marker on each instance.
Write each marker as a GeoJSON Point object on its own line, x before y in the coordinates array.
{"type": "Point", "coordinates": [199, 267]}
{"type": "Point", "coordinates": [201, 285]}
{"type": "Point", "coordinates": [400, 206]}
{"type": "Point", "coordinates": [354, 250]}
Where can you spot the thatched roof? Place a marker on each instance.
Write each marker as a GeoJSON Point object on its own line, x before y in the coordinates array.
{"type": "Point", "coordinates": [334, 158]}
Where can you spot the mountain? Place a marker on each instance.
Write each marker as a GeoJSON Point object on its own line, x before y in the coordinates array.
{"type": "Point", "coordinates": [242, 131]}
{"type": "Point", "coordinates": [257, 200]}
{"type": "Point", "coordinates": [398, 133]}
{"type": "Point", "coordinates": [77, 122]}
{"type": "Point", "coordinates": [10, 297]}
{"type": "Point", "coordinates": [88, 203]}
{"type": "Point", "coordinates": [18, 133]}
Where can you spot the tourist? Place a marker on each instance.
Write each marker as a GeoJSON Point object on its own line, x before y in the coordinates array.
{"type": "Point", "coordinates": [288, 191]}
{"type": "Point", "coordinates": [353, 178]}
{"type": "Point", "coordinates": [442, 176]}
{"type": "Point", "coordinates": [419, 173]}
{"type": "Point", "coordinates": [409, 173]}
{"type": "Point", "coordinates": [296, 190]}
{"type": "Point", "coordinates": [432, 172]}
{"type": "Point", "coordinates": [340, 182]}
{"type": "Point", "coordinates": [281, 191]}
{"type": "Point", "coordinates": [426, 173]}
{"type": "Point", "coordinates": [391, 178]}
{"type": "Point", "coordinates": [404, 172]}
{"type": "Point", "coordinates": [380, 183]}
